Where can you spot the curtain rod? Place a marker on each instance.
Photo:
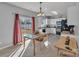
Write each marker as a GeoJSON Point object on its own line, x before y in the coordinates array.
{"type": "Point", "coordinates": [23, 15]}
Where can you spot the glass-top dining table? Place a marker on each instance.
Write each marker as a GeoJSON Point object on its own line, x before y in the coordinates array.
{"type": "Point", "coordinates": [31, 37]}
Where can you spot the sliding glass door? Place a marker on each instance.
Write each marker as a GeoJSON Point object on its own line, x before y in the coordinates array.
{"type": "Point", "coordinates": [26, 26]}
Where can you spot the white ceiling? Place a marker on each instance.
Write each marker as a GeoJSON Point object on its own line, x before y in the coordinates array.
{"type": "Point", "coordinates": [60, 7]}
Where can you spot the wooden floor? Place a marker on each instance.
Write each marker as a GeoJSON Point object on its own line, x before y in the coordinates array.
{"type": "Point", "coordinates": [8, 51]}
{"type": "Point", "coordinates": [40, 51]}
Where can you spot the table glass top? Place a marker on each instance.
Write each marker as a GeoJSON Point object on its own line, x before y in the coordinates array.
{"type": "Point", "coordinates": [30, 36]}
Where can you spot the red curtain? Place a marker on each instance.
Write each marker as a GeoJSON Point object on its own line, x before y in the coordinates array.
{"type": "Point", "coordinates": [33, 24]}
{"type": "Point", "coordinates": [17, 30]}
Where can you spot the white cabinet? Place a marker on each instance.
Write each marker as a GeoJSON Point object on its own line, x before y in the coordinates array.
{"type": "Point", "coordinates": [51, 30]}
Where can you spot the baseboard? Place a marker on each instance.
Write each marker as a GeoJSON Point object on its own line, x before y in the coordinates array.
{"type": "Point", "coordinates": [6, 46]}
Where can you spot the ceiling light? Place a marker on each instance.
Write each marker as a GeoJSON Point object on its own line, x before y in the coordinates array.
{"type": "Point", "coordinates": [40, 13]}
{"type": "Point", "coordinates": [54, 12]}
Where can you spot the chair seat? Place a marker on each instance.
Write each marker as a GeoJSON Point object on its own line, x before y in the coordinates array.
{"type": "Point", "coordinates": [67, 53]}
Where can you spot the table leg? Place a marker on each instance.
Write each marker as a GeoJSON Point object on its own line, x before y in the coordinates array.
{"type": "Point", "coordinates": [34, 47]}
{"type": "Point", "coordinates": [58, 52]}
{"type": "Point", "coordinates": [24, 42]}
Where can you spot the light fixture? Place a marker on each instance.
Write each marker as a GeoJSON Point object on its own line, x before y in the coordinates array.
{"type": "Point", "coordinates": [54, 12]}
{"type": "Point", "coordinates": [40, 13]}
